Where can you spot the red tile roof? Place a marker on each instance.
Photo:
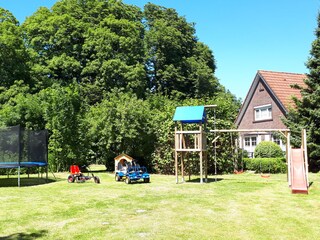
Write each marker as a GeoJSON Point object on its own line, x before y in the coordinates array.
{"type": "Point", "coordinates": [281, 82]}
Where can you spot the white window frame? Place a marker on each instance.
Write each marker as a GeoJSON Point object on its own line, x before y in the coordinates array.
{"type": "Point", "coordinates": [249, 140]}
{"type": "Point", "coordinates": [263, 112]}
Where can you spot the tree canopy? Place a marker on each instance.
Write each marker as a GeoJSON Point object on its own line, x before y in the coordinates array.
{"type": "Point", "coordinates": [104, 78]}
{"type": "Point", "coordinates": [13, 56]}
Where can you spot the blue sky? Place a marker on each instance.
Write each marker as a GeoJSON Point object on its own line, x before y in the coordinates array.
{"type": "Point", "coordinates": [245, 36]}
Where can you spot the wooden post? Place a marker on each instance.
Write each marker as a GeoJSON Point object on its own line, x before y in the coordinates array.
{"type": "Point", "coordinates": [189, 165]}
{"type": "Point", "coordinates": [206, 166]}
{"type": "Point", "coordinates": [305, 151]}
{"type": "Point", "coordinates": [176, 153]}
{"type": "Point", "coordinates": [288, 158]}
{"type": "Point", "coordinates": [183, 146]}
{"type": "Point", "coordinates": [182, 166]}
{"type": "Point", "coordinates": [200, 153]}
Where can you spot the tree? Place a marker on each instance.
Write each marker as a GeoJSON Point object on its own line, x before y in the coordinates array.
{"type": "Point", "coordinates": [307, 113]}
{"type": "Point", "coordinates": [62, 108]}
{"type": "Point", "coordinates": [163, 108]}
{"type": "Point", "coordinates": [13, 56]}
{"type": "Point", "coordinates": [177, 64]}
{"type": "Point", "coordinates": [98, 44]}
{"type": "Point", "coordinates": [119, 124]}
{"type": "Point", "coordinates": [162, 127]}
{"type": "Point", "coordinates": [104, 78]}
{"type": "Point", "coordinates": [19, 107]}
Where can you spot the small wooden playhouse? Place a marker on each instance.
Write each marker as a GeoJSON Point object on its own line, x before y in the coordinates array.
{"type": "Point", "coordinates": [194, 140]}
{"type": "Point", "coordinates": [122, 161]}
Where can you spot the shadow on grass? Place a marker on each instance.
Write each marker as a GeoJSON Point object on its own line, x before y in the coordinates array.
{"type": "Point", "coordinates": [138, 182]}
{"type": "Point", "coordinates": [94, 171]}
{"type": "Point", "coordinates": [310, 184]}
{"type": "Point", "coordinates": [209, 180]}
{"type": "Point", "coordinates": [86, 169]}
{"type": "Point", "coordinates": [25, 236]}
{"type": "Point", "coordinates": [25, 182]}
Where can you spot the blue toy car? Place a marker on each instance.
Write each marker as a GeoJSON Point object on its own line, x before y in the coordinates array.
{"type": "Point", "coordinates": [134, 173]}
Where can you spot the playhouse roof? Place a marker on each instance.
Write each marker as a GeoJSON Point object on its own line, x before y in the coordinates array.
{"type": "Point", "coordinates": [123, 156]}
{"type": "Point", "coordinates": [190, 114]}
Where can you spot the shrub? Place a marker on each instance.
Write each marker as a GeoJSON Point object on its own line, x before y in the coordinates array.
{"type": "Point", "coordinates": [265, 165]}
{"type": "Point", "coordinates": [267, 149]}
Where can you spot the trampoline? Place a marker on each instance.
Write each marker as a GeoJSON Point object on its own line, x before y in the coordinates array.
{"type": "Point", "coordinates": [21, 148]}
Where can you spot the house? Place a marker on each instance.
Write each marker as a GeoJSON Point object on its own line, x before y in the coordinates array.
{"type": "Point", "coordinates": [267, 102]}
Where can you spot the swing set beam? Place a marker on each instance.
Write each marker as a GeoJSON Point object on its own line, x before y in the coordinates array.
{"type": "Point", "coordinates": [249, 130]}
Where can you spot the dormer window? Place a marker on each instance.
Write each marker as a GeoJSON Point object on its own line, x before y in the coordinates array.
{"type": "Point", "coordinates": [263, 112]}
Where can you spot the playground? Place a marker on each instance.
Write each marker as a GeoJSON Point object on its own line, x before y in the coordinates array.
{"type": "Point", "coordinates": [190, 141]}
{"type": "Point", "coordinates": [230, 206]}
{"type": "Point", "coordinates": [237, 206]}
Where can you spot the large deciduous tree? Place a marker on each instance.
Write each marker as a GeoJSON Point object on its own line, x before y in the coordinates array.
{"type": "Point", "coordinates": [98, 44]}
{"type": "Point", "coordinates": [104, 78]}
{"type": "Point", "coordinates": [13, 56]}
{"type": "Point", "coordinates": [177, 63]}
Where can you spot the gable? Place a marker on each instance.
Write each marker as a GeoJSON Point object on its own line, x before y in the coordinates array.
{"type": "Point", "coordinates": [278, 86]}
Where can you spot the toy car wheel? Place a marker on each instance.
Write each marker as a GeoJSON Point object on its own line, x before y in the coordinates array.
{"type": "Point", "coordinates": [128, 180]}
{"type": "Point", "coordinates": [96, 179]}
{"type": "Point", "coordinates": [146, 180]}
{"type": "Point", "coordinates": [117, 178]}
{"type": "Point", "coordinates": [80, 179]}
{"type": "Point", "coordinates": [70, 179]}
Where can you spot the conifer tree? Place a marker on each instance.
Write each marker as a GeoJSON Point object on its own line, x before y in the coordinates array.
{"type": "Point", "coordinates": [307, 113]}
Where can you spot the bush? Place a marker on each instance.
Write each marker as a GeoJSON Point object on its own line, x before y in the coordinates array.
{"type": "Point", "coordinates": [266, 165]}
{"type": "Point", "coordinates": [267, 149]}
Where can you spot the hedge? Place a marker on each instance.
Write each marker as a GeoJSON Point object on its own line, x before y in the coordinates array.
{"type": "Point", "coordinates": [265, 165]}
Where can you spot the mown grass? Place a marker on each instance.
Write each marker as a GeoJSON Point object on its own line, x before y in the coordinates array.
{"type": "Point", "coordinates": [243, 206]}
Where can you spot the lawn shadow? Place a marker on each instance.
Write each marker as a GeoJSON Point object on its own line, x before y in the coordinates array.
{"type": "Point", "coordinates": [25, 236]}
{"type": "Point", "coordinates": [86, 169]}
{"type": "Point", "coordinates": [139, 182]}
{"type": "Point", "coordinates": [209, 180]}
{"type": "Point", "coordinates": [25, 182]}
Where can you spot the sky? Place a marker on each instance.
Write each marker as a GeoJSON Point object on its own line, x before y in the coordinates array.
{"type": "Point", "coordinates": [244, 35]}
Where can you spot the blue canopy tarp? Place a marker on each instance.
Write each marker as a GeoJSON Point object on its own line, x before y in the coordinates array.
{"type": "Point", "coordinates": [190, 114]}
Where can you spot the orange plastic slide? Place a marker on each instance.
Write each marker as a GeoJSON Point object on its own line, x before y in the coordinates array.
{"type": "Point", "coordinates": [298, 172]}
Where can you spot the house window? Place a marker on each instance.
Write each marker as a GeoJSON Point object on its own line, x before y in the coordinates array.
{"type": "Point", "coordinates": [247, 141]}
{"type": "Point", "coordinates": [253, 141]}
{"type": "Point", "coordinates": [250, 141]}
{"type": "Point", "coordinates": [276, 140]}
{"type": "Point", "coordinates": [263, 112]}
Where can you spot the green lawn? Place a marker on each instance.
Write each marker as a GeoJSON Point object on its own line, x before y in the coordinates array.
{"type": "Point", "coordinates": [243, 206]}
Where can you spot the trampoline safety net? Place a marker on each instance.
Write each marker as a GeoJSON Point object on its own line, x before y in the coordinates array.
{"type": "Point", "coordinates": [23, 148]}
